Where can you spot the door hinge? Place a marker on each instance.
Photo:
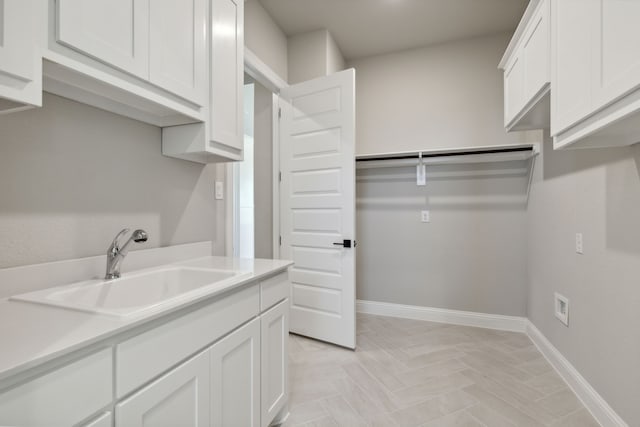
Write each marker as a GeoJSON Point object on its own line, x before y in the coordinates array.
{"type": "Point", "coordinates": [279, 176]}
{"type": "Point", "coordinates": [279, 112]}
{"type": "Point", "coordinates": [280, 240]}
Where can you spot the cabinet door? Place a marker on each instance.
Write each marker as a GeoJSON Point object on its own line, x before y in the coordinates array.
{"type": "Point", "coordinates": [275, 348]}
{"type": "Point", "coordinates": [18, 54]}
{"type": "Point", "coordinates": [179, 398]}
{"type": "Point", "coordinates": [104, 420]}
{"type": "Point", "coordinates": [572, 50]}
{"type": "Point", "coordinates": [513, 89]}
{"type": "Point", "coordinates": [617, 51]}
{"type": "Point", "coordinates": [235, 378]}
{"type": "Point", "coordinates": [535, 53]}
{"type": "Point", "coordinates": [227, 72]}
{"type": "Point", "coordinates": [115, 32]}
{"type": "Point", "coordinates": [178, 47]}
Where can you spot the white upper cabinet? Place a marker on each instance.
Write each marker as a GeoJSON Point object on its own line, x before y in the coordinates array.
{"type": "Point", "coordinates": [227, 73]}
{"type": "Point", "coordinates": [221, 138]}
{"type": "Point", "coordinates": [20, 65]}
{"type": "Point", "coordinates": [618, 50]}
{"type": "Point", "coordinates": [526, 71]}
{"type": "Point", "coordinates": [595, 73]}
{"type": "Point", "coordinates": [177, 47]}
{"type": "Point", "coordinates": [115, 32]}
{"type": "Point", "coordinates": [144, 59]}
{"type": "Point", "coordinates": [572, 62]}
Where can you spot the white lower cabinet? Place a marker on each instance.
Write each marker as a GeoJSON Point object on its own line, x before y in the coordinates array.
{"type": "Point", "coordinates": [179, 398]}
{"type": "Point", "coordinates": [221, 364]}
{"type": "Point", "coordinates": [275, 348]}
{"type": "Point", "coordinates": [235, 378]}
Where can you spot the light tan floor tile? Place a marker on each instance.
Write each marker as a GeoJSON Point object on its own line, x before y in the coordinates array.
{"type": "Point", "coordinates": [498, 405]}
{"type": "Point", "coordinates": [342, 412]}
{"type": "Point", "coordinates": [408, 372]}
{"type": "Point", "coordinates": [489, 417]}
{"type": "Point", "coordinates": [561, 403]}
{"type": "Point", "coordinates": [581, 418]}
{"type": "Point", "coordinates": [546, 384]}
{"type": "Point", "coordinates": [457, 419]}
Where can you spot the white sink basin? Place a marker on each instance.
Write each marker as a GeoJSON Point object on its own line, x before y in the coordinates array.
{"type": "Point", "coordinates": [134, 293]}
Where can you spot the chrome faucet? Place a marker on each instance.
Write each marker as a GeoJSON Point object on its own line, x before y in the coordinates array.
{"type": "Point", "coordinates": [116, 253]}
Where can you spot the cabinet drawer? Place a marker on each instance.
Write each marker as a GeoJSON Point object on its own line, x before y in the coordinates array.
{"type": "Point", "coordinates": [147, 355]}
{"type": "Point", "coordinates": [65, 396]}
{"type": "Point", "coordinates": [273, 290]}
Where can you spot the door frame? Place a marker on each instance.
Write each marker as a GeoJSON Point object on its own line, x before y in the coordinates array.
{"type": "Point", "coordinates": [268, 78]}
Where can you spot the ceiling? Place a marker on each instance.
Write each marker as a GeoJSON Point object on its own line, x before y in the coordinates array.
{"type": "Point", "coordinates": [372, 27]}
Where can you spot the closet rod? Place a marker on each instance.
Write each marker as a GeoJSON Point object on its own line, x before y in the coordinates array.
{"type": "Point", "coordinates": [426, 154]}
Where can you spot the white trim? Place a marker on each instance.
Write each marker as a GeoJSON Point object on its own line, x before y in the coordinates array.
{"type": "Point", "coordinates": [599, 408]}
{"type": "Point", "coordinates": [275, 142]}
{"type": "Point", "coordinates": [440, 315]}
{"type": "Point", "coordinates": [229, 209]}
{"type": "Point", "coordinates": [262, 73]}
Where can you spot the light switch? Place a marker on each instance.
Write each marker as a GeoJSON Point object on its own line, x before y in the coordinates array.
{"type": "Point", "coordinates": [424, 216]}
{"type": "Point", "coordinates": [219, 190]}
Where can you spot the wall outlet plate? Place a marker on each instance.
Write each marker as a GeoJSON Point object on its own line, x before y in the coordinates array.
{"type": "Point", "coordinates": [219, 194]}
{"type": "Point", "coordinates": [425, 216]}
{"type": "Point", "coordinates": [561, 308]}
{"type": "Point", "coordinates": [579, 246]}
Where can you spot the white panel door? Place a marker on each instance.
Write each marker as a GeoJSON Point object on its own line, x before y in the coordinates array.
{"type": "Point", "coordinates": [115, 32]}
{"type": "Point", "coordinates": [317, 193]}
{"type": "Point", "coordinates": [616, 50]}
{"type": "Point", "coordinates": [178, 48]}
{"type": "Point", "coordinates": [227, 72]}
{"type": "Point", "coordinates": [235, 378]}
{"type": "Point", "coordinates": [275, 357]}
{"type": "Point", "coordinates": [179, 398]}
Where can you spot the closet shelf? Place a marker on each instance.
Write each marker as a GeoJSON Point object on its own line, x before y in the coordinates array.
{"type": "Point", "coordinates": [481, 154]}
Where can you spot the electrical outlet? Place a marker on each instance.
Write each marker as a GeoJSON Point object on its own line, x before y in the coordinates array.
{"type": "Point", "coordinates": [219, 190]}
{"type": "Point", "coordinates": [424, 216]}
{"type": "Point", "coordinates": [561, 308]}
{"type": "Point", "coordinates": [579, 248]}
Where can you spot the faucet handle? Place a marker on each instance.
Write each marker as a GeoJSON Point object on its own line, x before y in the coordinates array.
{"type": "Point", "coordinates": [114, 244]}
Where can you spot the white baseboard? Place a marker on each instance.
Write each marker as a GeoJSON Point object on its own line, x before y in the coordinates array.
{"type": "Point", "coordinates": [598, 407]}
{"type": "Point", "coordinates": [440, 315]}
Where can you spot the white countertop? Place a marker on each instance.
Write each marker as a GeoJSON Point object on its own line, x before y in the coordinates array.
{"type": "Point", "coordinates": [33, 334]}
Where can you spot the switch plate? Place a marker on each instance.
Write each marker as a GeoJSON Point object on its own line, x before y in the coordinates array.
{"type": "Point", "coordinates": [579, 247]}
{"type": "Point", "coordinates": [561, 308]}
{"type": "Point", "coordinates": [219, 190]}
{"type": "Point", "coordinates": [425, 216]}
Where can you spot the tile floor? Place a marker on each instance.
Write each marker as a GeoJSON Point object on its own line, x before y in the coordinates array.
{"type": "Point", "coordinates": [416, 373]}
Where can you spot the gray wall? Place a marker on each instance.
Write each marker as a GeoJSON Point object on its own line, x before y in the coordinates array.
{"type": "Point", "coordinates": [72, 176]}
{"type": "Point", "coordinates": [448, 95]}
{"type": "Point", "coordinates": [471, 256]}
{"type": "Point", "coordinates": [264, 38]}
{"type": "Point", "coordinates": [597, 193]}
{"type": "Point", "coordinates": [262, 174]}
{"type": "Point", "coordinates": [313, 54]}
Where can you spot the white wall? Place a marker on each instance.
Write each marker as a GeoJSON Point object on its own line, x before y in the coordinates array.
{"type": "Point", "coordinates": [447, 95]}
{"type": "Point", "coordinates": [264, 38]}
{"type": "Point", "coordinates": [72, 176]}
{"type": "Point", "coordinates": [597, 193]}
{"type": "Point", "coordinates": [313, 54]}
